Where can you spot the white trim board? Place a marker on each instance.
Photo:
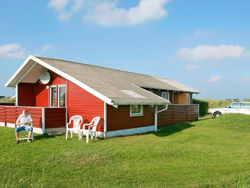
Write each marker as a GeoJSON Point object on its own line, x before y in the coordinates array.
{"type": "Point", "coordinates": [133, 131]}
{"type": "Point", "coordinates": [68, 77]}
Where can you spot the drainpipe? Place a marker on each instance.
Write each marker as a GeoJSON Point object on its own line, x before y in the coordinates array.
{"type": "Point", "coordinates": [156, 115]}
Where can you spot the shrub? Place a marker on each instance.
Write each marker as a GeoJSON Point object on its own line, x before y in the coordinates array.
{"type": "Point", "coordinates": [203, 106]}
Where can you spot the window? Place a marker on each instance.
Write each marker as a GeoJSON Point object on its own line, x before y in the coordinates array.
{"type": "Point", "coordinates": [61, 96]}
{"type": "Point", "coordinates": [165, 95]}
{"type": "Point", "coordinates": [53, 96]}
{"type": "Point", "coordinates": [235, 105]}
{"type": "Point", "coordinates": [245, 105]}
{"type": "Point", "coordinates": [136, 110]}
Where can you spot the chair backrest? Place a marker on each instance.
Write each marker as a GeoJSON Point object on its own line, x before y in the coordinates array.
{"type": "Point", "coordinates": [77, 121]}
{"type": "Point", "coordinates": [94, 122]}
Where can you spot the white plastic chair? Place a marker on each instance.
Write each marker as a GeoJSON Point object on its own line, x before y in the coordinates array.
{"type": "Point", "coordinates": [25, 136]}
{"type": "Point", "coordinates": [77, 121]}
{"type": "Point", "coordinates": [91, 131]}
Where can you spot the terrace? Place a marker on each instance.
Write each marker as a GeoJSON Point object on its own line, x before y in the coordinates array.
{"type": "Point", "coordinates": [45, 120]}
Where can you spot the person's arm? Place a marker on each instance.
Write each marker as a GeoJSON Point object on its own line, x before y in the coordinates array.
{"type": "Point", "coordinates": [18, 121]}
{"type": "Point", "coordinates": [30, 120]}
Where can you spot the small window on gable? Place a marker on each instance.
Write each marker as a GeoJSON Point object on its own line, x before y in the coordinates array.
{"type": "Point", "coordinates": [165, 95]}
{"type": "Point", "coordinates": [136, 110]}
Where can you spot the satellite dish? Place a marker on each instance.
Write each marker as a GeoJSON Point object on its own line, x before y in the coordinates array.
{"type": "Point", "coordinates": [45, 77]}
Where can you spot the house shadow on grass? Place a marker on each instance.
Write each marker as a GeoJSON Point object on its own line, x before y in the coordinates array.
{"type": "Point", "coordinates": [172, 129]}
{"type": "Point", "coordinates": [43, 136]}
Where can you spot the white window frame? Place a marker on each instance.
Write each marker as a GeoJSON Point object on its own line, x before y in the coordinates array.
{"type": "Point", "coordinates": [165, 92]}
{"type": "Point", "coordinates": [58, 95]}
{"type": "Point", "coordinates": [50, 95]}
{"type": "Point", "coordinates": [136, 114]}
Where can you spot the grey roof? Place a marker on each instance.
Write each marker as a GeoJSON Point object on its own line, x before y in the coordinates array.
{"type": "Point", "coordinates": [120, 86]}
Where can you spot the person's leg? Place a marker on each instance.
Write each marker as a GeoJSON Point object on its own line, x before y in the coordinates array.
{"type": "Point", "coordinates": [29, 129]}
{"type": "Point", "coordinates": [17, 136]}
{"type": "Point", "coordinates": [17, 130]}
{"type": "Point", "coordinates": [29, 133]}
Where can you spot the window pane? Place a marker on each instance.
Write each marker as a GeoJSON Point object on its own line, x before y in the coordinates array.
{"type": "Point", "coordinates": [245, 105]}
{"type": "Point", "coordinates": [62, 96]}
{"type": "Point", "coordinates": [135, 109]}
{"type": "Point", "coordinates": [53, 96]}
{"type": "Point", "coordinates": [235, 105]}
{"type": "Point", "coordinates": [165, 95]}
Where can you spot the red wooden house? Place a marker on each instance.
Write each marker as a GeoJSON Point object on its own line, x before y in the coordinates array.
{"type": "Point", "coordinates": [53, 90]}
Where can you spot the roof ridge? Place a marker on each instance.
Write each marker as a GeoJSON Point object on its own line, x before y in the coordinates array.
{"type": "Point", "coordinates": [93, 65]}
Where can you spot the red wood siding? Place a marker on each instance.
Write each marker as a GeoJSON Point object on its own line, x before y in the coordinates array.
{"type": "Point", "coordinates": [42, 94]}
{"type": "Point", "coordinates": [55, 117]}
{"type": "Point", "coordinates": [81, 102]}
{"type": "Point", "coordinates": [119, 118]}
{"type": "Point", "coordinates": [10, 114]}
{"type": "Point", "coordinates": [26, 95]}
{"type": "Point", "coordinates": [78, 101]}
{"type": "Point", "coordinates": [178, 114]}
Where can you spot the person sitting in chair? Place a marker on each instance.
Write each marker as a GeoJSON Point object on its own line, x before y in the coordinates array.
{"type": "Point", "coordinates": [23, 123]}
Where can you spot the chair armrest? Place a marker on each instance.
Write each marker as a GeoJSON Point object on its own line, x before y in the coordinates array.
{"type": "Point", "coordinates": [86, 124]}
{"type": "Point", "coordinates": [67, 125]}
{"type": "Point", "coordinates": [90, 126]}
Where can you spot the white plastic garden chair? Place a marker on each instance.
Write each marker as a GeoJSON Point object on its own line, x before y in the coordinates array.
{"type": "Point", "coordinates": [77, 121]}
{"type": "Point", "coordinates": [23, 136]}
{"type": "Point", "coordinates": [91, 131]}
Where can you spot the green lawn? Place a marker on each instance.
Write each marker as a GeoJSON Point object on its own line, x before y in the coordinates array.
{"type": "Point", "coordinates": [206, 153]}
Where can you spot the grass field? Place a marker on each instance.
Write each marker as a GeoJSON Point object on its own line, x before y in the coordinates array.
{"type": "Point", "coordinates": [206, 153]}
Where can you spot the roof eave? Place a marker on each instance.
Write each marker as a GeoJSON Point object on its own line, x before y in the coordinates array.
{"type": "Point", "coordinates": [61, 73]}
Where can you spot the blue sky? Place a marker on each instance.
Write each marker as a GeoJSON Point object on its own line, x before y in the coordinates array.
{"type": "Point", "coordinates": [204, 44]}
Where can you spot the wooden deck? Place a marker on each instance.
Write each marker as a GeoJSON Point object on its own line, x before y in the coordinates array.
{"type": "Point", "coordinates": [45, 120]}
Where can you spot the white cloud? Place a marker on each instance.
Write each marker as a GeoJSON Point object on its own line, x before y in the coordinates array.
{"type": "Point", "coordinates": [12, 51]}
{"type": "Point", "coordinates": [191, 67]}
{"type": "Point", "coordinates": [65, 8]}
{"type": "Point", "coordinates": [58, 5]}
{"type": "Point", "coordinates": [109, 14]}
{"type": "Point", "coordinates": [210, 52]}
{"type": "Point", "coordinates": [214, 79]}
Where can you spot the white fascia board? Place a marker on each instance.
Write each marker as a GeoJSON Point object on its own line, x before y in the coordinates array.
{"type": "Point", "coordinates": [17, 72]}
{"type": "Point", "coordinates": [68, 77]}
{"type": "Point", "coordinates": [72, 79]}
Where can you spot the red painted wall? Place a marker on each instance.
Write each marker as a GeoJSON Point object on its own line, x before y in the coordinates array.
{"type": "Point", "coordinates": [119, 118]}
{"type": "Point", "coordinates": [81, 102]}
{"type": "Point", "coordinates": [55, 117]}
{"type": "Point", "coordinates": [26, 94]}
{"type": "Point", "coordinates": [42, 94]}
{"type": "Point", "coordinates": [9, 114]}
{"type": "Point", "coordinates": [78, 101]}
